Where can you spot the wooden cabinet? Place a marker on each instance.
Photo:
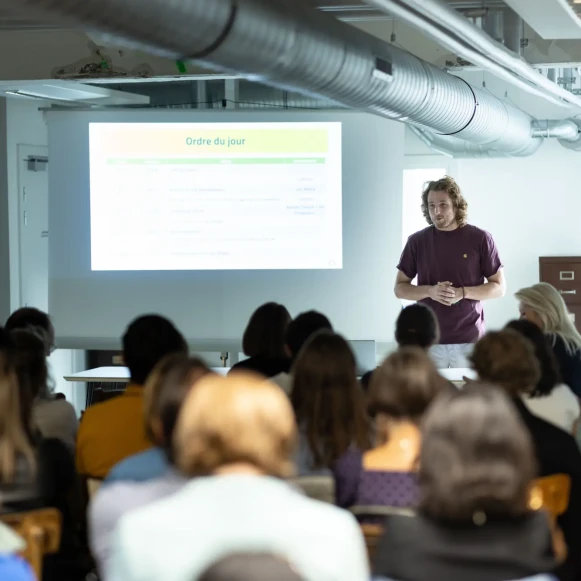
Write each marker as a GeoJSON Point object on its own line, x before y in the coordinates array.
{"type": "Point", "coordinates": [564, 273]}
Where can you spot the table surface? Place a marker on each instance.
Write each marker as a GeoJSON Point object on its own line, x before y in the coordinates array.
{"type": "Point", "coordinates": [115, 375]}
{"type": "Point", "coordinates": [121, 374]}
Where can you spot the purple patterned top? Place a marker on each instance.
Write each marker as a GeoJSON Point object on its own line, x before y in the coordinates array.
{"type": "Point", "coordinates": [356, 486]}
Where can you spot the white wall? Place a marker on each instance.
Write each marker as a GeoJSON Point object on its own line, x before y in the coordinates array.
{"type": "Point", "coordinates": [25, 125]}
{"type": "Point", "coordinates": [532, 207]}
{"type": "Point", "coordinates": [21, 123]}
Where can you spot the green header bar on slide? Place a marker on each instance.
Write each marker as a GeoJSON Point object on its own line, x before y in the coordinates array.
{"type": "Point", "coordinates": [217, 161]}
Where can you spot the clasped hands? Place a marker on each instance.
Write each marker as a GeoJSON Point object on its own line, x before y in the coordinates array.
{"type": "Point", "coordinates": [446, 294]}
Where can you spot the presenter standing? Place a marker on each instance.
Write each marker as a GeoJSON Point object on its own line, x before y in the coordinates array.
{"type": "Point", "coordinates": [457, 266]}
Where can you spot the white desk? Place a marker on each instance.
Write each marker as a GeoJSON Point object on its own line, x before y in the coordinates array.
{"type": "Point", "coordinates": [456, 375]}
{"type": "Point", "coordinates": [115, 375]}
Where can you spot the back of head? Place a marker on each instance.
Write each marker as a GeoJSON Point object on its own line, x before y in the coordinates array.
{"type": "Point", "coordinates": [146, 342]}
{"type": "Point", "coordinates": [327, 398]}
{"type": "Point", "coordinates": [165, 392]}
{"type": "Point", "coordinates": [507, 359]}
{"type": "Point", "coordinates": [250, 567]}
{"type": "Point", "coordinates": [417, 326]}
{"type": "Point", "coordinates": [304, 326]}
{"type": "Point", "coordinates": [35, 321]}
{"type": "Point", "coordinates": [14, 434]}
{"type": "Point", "coordinates": [477, 458]}
{"type": "Point", "coordinates": [238, 419]}
{"type": "Point", "coordinates": [548, 304]}
{"type": "Point", "coordinates": [266, 330]}
{"type": "Point", "coordinates": [549, 368]}
{"type": "Point", "coordinates": [405, 384]}
{"type": "Point", "coordinates": [31, 365]}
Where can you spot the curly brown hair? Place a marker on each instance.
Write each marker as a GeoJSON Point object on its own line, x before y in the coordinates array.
{"type": "Point", "coordinates": [507, 359]}
{"type": "Point", "coordinates": [446, 184]}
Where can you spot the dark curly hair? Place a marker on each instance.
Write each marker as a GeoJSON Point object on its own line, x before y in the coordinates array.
{"type": "Point", "coordinates": [507, 359]}
{"type": "Point", "coordinates": [550, 376]}
{"type": "Point", "coordinates": [446, 184]}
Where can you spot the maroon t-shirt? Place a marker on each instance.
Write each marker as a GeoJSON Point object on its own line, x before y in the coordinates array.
{"type": "Point", "coordinates": [465, 257]}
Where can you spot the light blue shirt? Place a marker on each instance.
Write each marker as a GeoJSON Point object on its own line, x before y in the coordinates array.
{"type": "Point", "coordinates": [179, 537]}
{"type": "Point", "coordinates": [142, 467]}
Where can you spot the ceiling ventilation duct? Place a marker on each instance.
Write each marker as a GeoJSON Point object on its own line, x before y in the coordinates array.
{"type": "Point", "coordinates": [291, 45]}
{"type": "Point", "coordinates": [550, 19]}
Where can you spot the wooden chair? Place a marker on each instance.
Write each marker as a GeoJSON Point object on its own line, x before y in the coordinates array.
{"type": "Point", "coordinates": [317, 487]}
{"type": "Point", "coordinates": [372, 534]}
{"type": "Point", "coordinates": [41, 531]}
{"type": "Point", "coordinates": [93, 485]}
{"type": "Point", "coordinates": [551, 493]}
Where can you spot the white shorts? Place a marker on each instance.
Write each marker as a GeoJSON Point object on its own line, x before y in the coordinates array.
{"type": "Point", "coordinates": [454, 356]}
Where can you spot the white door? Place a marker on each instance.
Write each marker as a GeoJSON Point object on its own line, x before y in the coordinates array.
{"type": "Point", "coordinates": [33, 234]}
{"type": "Point", "coordinates": [33, 213]}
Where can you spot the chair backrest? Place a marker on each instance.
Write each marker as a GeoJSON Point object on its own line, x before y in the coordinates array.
{"type": "Point", "coordinates": [372, 534]}
{"type": "Point", "coordinates": [93, 485]}
{"type": "Point", "coordinates": [551, 493]}
{"type": "Point", "coordinates": [41, 531]}
{"type": "Point", "coordinates": [317, 487]}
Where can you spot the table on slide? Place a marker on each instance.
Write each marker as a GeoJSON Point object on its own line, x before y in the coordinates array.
{"type": "Point", "coordinates": [111, 379]}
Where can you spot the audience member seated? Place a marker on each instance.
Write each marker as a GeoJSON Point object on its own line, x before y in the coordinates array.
{"type": "Point", "coordinates": [299, 331]}
{"type": "Point", "coordinates": [35, 321]}
{"type": "Point", "coordinates": [36, 472]}
{"type": "Point", "coordinates": [239, 433]}
{"type": "Point", "coordinates": [251, 567]}
{"type": "Point", "coordinates": [113, 430]}
{"type": "Point", "coordinates": [544, 306]}
{"type": "Point", "coordinates": [508, 360]}
{"type": "Point", "coordinates": [53, 416]}
{"type": "Point", "coordinates": [401, 390]}
{"type": "Point", "coordinates": [165, 391]}
{"type": "Point", "coordinates": [473, 520]}
{"type": "Point", "coordinates": [328, 403]}
{"type": "Point", "coordinates": [416, 326]}
{"type": "Point", "coordinates": [263, 341]}
{"type": "Point", "coordinates": [153, 463]}
{"type": "Point", "coordinates": [550, 399]}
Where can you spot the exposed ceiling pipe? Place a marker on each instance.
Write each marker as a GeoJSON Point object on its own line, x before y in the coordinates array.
{"type": "Point", "coordinates": [453, 30]}
{"type": "Point", "coordinates": [459, 46]}
{"type": "Point", "coordinates": [454, 147]}
{"type": "Point", "coordinates": [289, 45]}
{"type": "Point", "coordinates": [513, 31]}
{"type": "Point", "coordinates": [567, 131]}
{"type": "Point", "coordinates": [493, 24]}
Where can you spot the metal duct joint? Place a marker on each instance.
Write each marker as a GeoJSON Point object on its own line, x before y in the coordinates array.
{"type": "Point", "coordinates": [567, 131]}
{"type": "Point", "coordinates": [290, 45]}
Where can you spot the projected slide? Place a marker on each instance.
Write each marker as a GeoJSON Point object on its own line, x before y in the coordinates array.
{"type": "Point", "coordinates": [215, 196]}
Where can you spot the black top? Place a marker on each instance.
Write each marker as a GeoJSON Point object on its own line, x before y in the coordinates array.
{"type": "Point", "coordinates": [569, 363]}
{"type": "Point", "coordinates": [267, 366]}
{"type": "Point", "coordinates": [418, 548]}
{"type": "Point", "coordinates": [557, 452]}
{"type": "Point", "coordinates": [56, 485]}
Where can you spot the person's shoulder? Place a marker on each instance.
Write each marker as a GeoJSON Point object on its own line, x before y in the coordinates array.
{"type": "Point", "coordinates": [421, 234]}
{"type": "Point", "coordinates": [98, 412]}
{"type": "Point", "coordinates": [476, 232]}
{"type": "Point", "coordinates": [147, 465]}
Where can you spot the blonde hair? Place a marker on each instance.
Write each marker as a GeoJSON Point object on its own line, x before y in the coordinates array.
{"type": "Point", "coordinates": [236, 419]}
{"type": "Point", "coordinates": [548, 304]}
{"type": "Point", "coordinates": [14, 440]}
